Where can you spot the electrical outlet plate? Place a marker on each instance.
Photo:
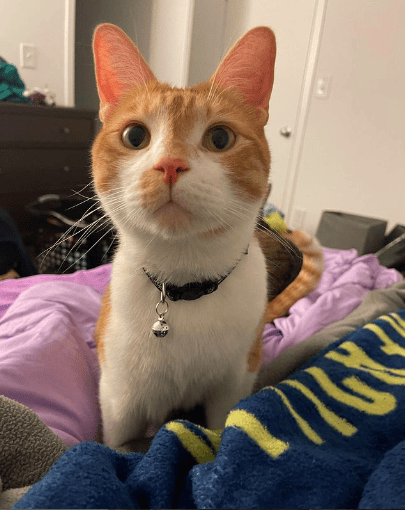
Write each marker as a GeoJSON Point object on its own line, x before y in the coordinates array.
{"type": "Point", "coordinates": [298, 217]}
{"type": "Point", "coordinates": [28, 56]}
{"type": "Point", "coordinates": [323, 86]}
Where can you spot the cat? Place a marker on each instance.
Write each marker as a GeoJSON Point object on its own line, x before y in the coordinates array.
{"type": "Point", "coordinates": [302, 279]}
{"type": "Point", "coordinates": [182, 174]}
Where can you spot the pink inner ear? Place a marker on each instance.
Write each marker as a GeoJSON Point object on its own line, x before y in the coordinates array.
{"type": "Point", "coordinates": [119, 64]}
{"type": "Point", "coordinates": [107, 82]}
{"type": "Point", "coordinates": [249, 67]}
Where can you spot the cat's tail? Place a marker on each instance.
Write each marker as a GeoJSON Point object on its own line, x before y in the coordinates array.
{"type": "Point", "coordinates": [308, 278]}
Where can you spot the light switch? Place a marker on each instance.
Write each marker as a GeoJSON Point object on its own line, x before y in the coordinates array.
{"type": "Point", "coordinates": [28, 56]}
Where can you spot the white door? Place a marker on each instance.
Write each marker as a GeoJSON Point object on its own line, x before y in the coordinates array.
{"type": "Point", "coordinates": [292, 22]}
{"type": "Point", "coordinates": [353, 152]}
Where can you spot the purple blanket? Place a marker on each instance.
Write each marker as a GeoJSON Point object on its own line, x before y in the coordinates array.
{"type": "Point", "coordinates": [345, 281]}
{"type": "Point", "coordinates": [48, 360]}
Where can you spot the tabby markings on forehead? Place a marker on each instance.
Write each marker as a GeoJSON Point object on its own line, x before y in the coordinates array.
{"type": "Point", "coordinates": [177, 103]}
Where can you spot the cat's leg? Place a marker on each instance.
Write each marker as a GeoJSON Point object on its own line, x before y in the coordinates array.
{"type": "Point", "coordinates": [225, 396]}
{"type": "Point", "coordinates": [122, 416]}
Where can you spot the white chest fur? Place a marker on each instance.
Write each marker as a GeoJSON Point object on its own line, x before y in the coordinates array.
{"type": "Point", "coordinates": [203, 357]}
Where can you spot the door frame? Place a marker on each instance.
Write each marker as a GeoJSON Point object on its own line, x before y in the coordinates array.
{"type": "Point", "coordinates": [303, 110]}
{"type": "Point", "coordinates": [69, 54]}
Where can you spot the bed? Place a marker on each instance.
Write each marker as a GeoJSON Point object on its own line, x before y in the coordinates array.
{"type": "Point", "coordinates": [324, 428]}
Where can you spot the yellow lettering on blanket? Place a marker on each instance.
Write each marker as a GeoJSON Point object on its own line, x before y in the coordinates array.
{"type": "Point", "coordinates": [399, 320]}
{"type": "Point", "coordinates": [303, 425]}
{"type": "Point", "coordinates": [357, 358]}
{"type": "Point", "coordinates": [191, 442]}
{"type": "Point", "coordinates": [374, 402]}
{"type": "Point", "coordinates": [213, 435]}
{"type": "Point", "coordinates": [390, 347]}
{"type": "Point", "coordinates": [335, 421]}
{"type": "Point", "coordinates": [257, 432]}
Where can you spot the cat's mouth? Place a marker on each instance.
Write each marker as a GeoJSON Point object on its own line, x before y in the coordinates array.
{"type": "Point", "coordinates": [173, 216]}
{"type": "Point", "coordinates": [171, 205]}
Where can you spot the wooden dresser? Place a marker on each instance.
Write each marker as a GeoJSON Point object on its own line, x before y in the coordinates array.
{"type": "Point", "coordinates": [42, 150]}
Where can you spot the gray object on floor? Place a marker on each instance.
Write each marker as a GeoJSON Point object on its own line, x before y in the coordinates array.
{"type": "Point", "coordinates": [344, 231]}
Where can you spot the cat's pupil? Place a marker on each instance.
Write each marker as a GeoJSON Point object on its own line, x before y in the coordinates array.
{"type": "Point", "coordinates": [219, 137]}
{"type": "Point", "coordinates": [136, 135]}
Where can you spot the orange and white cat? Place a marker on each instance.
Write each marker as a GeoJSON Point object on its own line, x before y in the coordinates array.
{"type": "Point", "coordinates": [182, 173]}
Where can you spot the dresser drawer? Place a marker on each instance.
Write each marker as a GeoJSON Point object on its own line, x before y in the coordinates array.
{"type": "Point", "coordinates": [43, 170]}
{"type": "Point", "coordinates": [26, 130]}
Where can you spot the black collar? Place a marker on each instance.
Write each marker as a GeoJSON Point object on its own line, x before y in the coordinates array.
{"type": "Point", "coordinates": [192, 290]}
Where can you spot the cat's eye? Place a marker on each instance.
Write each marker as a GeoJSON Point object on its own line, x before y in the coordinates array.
{"type": "Point", "coordinates": [219, 138]}
{"type": "Point", "coordinates": [135, 136]}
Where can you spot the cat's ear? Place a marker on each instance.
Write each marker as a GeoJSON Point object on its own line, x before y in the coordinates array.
{"type": "Point", "coordinates": [118, 65]}
{"type": "Point", "coordinates": [249, 67]}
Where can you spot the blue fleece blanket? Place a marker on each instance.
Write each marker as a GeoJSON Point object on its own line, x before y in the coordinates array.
{"type": "Point", "coordinates": [330, 436]}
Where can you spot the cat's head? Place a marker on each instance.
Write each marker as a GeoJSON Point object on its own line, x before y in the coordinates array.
{"type": "Point", "coordinates": [182, 162]}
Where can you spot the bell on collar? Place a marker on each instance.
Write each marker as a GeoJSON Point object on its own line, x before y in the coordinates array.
{"type": "Point", "coordinates": [160, 327]}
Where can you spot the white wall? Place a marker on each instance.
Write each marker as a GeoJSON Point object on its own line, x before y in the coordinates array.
{"type": "Point", "coordinates": [40, 22]}
{"type": "Point", "coordinates": [353, 156]}
{"type": "Point", "coordinates": [170, 40]}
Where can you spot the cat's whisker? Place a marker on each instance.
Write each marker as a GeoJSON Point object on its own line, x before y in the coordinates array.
{"type": "Point", "coordinates": [221, 220]}
{"type": "Point", "coordinates": [220, 91]}
{"type": "Point", "coordinates": [68, 233]}
{"type": "Point", "coordinates": [78, 194]}
{"type": "Point", "coordinates": [108, 249]}
{"type": "Point", "coordinates": [62, 239]}
{"type": "Point", "coordinates": [84, 187]}
{"type": "Point", "coordinates": [212, 88]}
{"type": "Point", "coordinates": [76, 244]}
{"type": "Point", "coordinates": [240, 209]}
{"type": "Point", "coordinates": [116, 192]}
{"type": "Point", "coordinates": [151, 240]}
{"type": "Point", "coordinates": [284, 243]}
{"type": "Point", "coordinates": [92, 228]}
{"type": "Point", "coordinates": [91, 247]}
{"type": "Point", "coordinates": [238, 214]}
{"type": "Point", "coordinates": [215, 88]}
{"type": "Point", "coordinates": [95, 205]}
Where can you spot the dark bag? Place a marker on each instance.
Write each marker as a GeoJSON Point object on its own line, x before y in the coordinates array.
{"type": "Point", "coordinates": [70, 234]}
{"type": "Point", "coordinates": [393, 253]}
{"type": "Point", "coordinates": [13, 253]}
{"type": "Point", "coordinates": [344, 231]}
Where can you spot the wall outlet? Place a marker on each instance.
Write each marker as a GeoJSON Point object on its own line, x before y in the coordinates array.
{"type": "Point", "coordinates": [298, 218]}
{"type": "Point", "coordinates": [28, 56]}
{"type": "Point", "coordinates": [323, 86]}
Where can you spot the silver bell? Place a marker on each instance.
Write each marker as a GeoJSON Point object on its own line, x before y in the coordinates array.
{"type": "Point", "coordinates": [160, 328]}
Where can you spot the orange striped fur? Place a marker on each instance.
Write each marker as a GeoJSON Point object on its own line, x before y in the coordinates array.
{"type": "Point", "coordinates": [102, 323]}
{"type": "Point", "coordinates": [307, 280]}
{"type": "Point", "coordinates": [255, 356]}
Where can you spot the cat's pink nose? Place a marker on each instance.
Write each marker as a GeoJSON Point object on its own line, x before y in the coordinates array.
{"type": "Point", "coordinates": [171, 167]}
